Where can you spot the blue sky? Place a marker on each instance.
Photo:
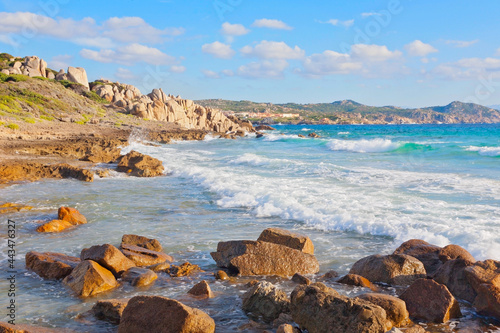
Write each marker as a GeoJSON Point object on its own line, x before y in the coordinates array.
{"type": "Point", "coordinates": [392, 52]}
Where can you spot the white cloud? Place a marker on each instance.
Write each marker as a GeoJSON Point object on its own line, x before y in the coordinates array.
{"type": "Point", "coordinates": [461, 43]}
{"type": "Point", "coordinates": [177, 69]}
{"type": "Point", "coordinates": [469, 69]}
{"type": "Point", "coordinates": [373, 53]}
{"type": "Point", "coordinates": [370, 14]}
{"type": "Point", "coordinates": [271, 24]}
{"type": "Point", "coordinates": [330, 62]}
{"type": "Point", "coordinates": [8, 40]}
{"type": "Point", "coordinates": [125, 74]}
{"type": "Point", "coordinates": [233, 29]}
{"type": "Point", "coordinates": [210, 74]}
{"type": "Point", "coordinates": [218, 50]}
{"type": "Point", "coordinates": [129, 54]}
{"type": "Point", "coordinates": [498, 52]}
{"type": "Point", "coordinates": [263, 69]}
{"type": "Point", "coordinates": [337, 22]}
{"type": "Point", "coordinates": [85, 31]}
{"type": "Point", "coordinates": [419, 49]}
{"type": "Point", "coordinates": [60, 62]}
{"type": "Point", "coordinates": [228, 72]}
{"type": "Point", "coordinates": [273, 50]}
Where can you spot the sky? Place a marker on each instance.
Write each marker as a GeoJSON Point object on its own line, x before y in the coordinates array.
{"type": "Point", "coordinates": [394, 52]}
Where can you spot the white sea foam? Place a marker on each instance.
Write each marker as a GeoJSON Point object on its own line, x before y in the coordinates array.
{"type": "Point", "coordinates": [277, 137]}
{"type": "Point", "coordinates": [343, 133]}
{"type": "Point", "coordinates": [250, 159]}
{"type": "Point", "coordinates": [306, 129]}
{"type": "Point", "coordinates": [485, 151]}
{"type": "Point", "coordinates": [363, 146]}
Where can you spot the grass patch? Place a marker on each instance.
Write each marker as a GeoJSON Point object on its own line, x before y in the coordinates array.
{"type": "Point", "coordinates": [5, 56]}
{"type": "Point", "coordinates": [12, 78]}
{"type": "Point", "coordinates": [96, 98]}
{"type": "Point", "coordinates": [29, 120]}
{"type": "Point", "coordinates": [41, 78]}
{"type": "Point", "coordinates": [86, 118]}
{"type": "Point", "coordinates": [13, 126]}
{"type": "Point", "coordinates": [48, 118]}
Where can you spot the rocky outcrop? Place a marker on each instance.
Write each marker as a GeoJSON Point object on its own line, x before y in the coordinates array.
{"type": "Point", "coordinates": [21, 171]}
{"type": "Point", "coordinates": [67, 217]}
{"type": "Point", "coordinates": [139, 277]}
{"type": "Point", "coordinates": [144, 257]}
{"type": "Point", "coordinates": [141, 241]}
{"type": "Point", "coordinates": [288, 239]}
{"type": "Point", "coordinates": [263, 258]}
{"type": "Point", "coordinates": [51, 265]}
{"type": "Point", "coordinates": [318, 309]}
{"type": "Point", "coordinates": [110, 309]}
{"type": "Point", "coordinates": [201, 289]}
{"type": "Point", "coordinates": [394, 307]}
{"type": "Point", "coordinates": [452, 275]}
{"type": "Point", "coordinates": [265, 301]}
{"type": "Point", "coordinates": [108, 257]}
{"type": "Point", "coordinates": [78, 75]}
{"type": "Point", "coordinates": [54, 226]}
{"type": "Point", "coordinates": [484, 277]}
{"type": "Point", "coordinates": [145, 314]}
{"type": "Point", "coordinates": [89, 278]}
{"type": "Point", "coordinates": [430, 301]}
{"type": "Point", "coordinates": [396, 269]}
{"type": "Point", "coordinates": [140, 165]}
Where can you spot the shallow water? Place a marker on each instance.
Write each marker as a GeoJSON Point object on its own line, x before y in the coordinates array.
{"type": "Point", "coordinates": [356, 191]}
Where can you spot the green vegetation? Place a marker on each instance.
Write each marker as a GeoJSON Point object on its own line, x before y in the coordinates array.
{"type": "Point", "coordinates": [5, 57]}
{"type": "Point", "coordinates": [41, 78]}
{"type": "Point", "coordinates": [29, 120]}
{"type": "Point", "coordinates": [12, 78]}
{"type": "Point", "coordinates": [48, 118]}
{"type": "Point", "coordinates": [96, 98]}
{"type": "Point", "coordinates": [13, 126]}
{"type": "Point", "coordinates": [86, 118]}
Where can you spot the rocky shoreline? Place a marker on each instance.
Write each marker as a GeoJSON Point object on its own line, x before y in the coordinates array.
{"type": "Point", "coordinates": [416, 287]}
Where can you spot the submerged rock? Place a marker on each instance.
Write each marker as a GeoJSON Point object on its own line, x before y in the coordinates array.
{"type": "Point", "coordinates": [110, 309]}
{"type": "Point", "coordinates": [318, 308]}
{"type": "Point", "coordinates": [139, 277]}
{"type": "Point", "coordinates": [264, 300]}
{"type": "Point", "coordinates": [55, 226]}
{"type": "Point", "coordinates": [89, 278]}
{"type": "Point", "coordinates": [430, 301]}
{"type": "Point", "coordinates": [145, 314]}
{"type": "Point", "coordinates": [71, 215]}
{"type": "Point", "coordinates": [396, 269]}
{"type": "Point", "coordinates": [185, 269]}
{"type": "Point", "coordinates": [141, 241]}
{"type": "Point", "coordinates": [201, 289]}
{"type": "Point", "coordinates": [263, 258]}
{"type": "Point", "coordinates": [140, 165]}
{"type": "Point", "coordinates": [51, 265]}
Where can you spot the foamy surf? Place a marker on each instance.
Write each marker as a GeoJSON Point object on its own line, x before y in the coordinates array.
{"type": "Point", "coordinates": [363, 145]}
{"type": "Point", "coordinates": [485, 151]}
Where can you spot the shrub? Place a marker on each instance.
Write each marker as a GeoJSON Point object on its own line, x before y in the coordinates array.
{"type": "Point", "coordinates": [48, 118]}
{"type": "Point", "coordinates": [16, 78]}
{"type": "Point", "coordinates": [13, 126]}
{"type": "Point", "coordinates": [29, 120]}
{"type": "Point", "coordinates": [96, 98]}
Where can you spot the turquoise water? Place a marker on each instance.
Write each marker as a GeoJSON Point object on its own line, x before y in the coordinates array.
{"type": "Point", "coordinates": [356, 191]}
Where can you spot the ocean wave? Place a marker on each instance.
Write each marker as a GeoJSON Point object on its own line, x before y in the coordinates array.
{"type": "Point", "coordinates": [277, 137]}
{"type": "Point", "coordinates": [343, 133]}
{"type": "Point", "coordinates": [485, 151]}
{"type": "Point", "coordinates": [251, 159]}
{"type": "Point", "coordinates": [363, 146]}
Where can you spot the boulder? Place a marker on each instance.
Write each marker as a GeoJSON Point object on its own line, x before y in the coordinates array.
{"type": "Point", "coordinates": [265, 301]}
{"type": "Point", "coordinates": [145, 314]}
{"type": "Point", "coordinates": [394, 307]}
{"type": "Point", "coordinates": [300, 279]}
{"type": "Point", "coordinates": [430, 301]}
{"type": "Point", "coordinates": [287, 238]}
{"type": "Point", "coordinates": [23, 328]}
{"type": "Point", "coordinates": [89, 278]}
{"type": "Point", "coordinates": [71, 215]}
{"type": "Point", "coordinates": [487, 302]}
{"type": "Point", "coordinates": [287, 328]}
{"type": "Point", "coordinates": [396, 269]}
{"type": "Point", "coordinates": [265, 128]}
{"type": "Point", "coordinates": [108, 257]}
{"type": "Point", "coordinates": [452, 252]}
{"type": "Point", "coordinates": [201, 289]}
{"type": "Point", "coordinates": [144, 257]}
{"type": "Point", "coordinates": [141, 241]}
{"type": "Point", "coordinates": [78, 75]}
{"type": "Point", "coordinates": [452, 275]}
{"type": "Point", "coordinates": [185, 269]}
{"type": "Point", "coordinates": [481, 272]}
{"type": "Point", "coordinates": [221, 275]}
{"type": "Point", "coordinates": [313, 135]}
{"type": "Point", "coordinates": [51, 265]}
{"type": "Point", "coordinates": [139, 277]}
{"type": "Point", "coordinates": [263, 258]}
{"type": "Point", "coordinates": [110, 309]}
{"type": "Point", "coordinates": [55, 226]}
{"type": "Point", "coordinates": [161, 267]}
{"type": "Point", "coordinates": [331, 274]}
{"type": "Point", "coordinates": [427, 253]}
{"type": "Point", "coordinates": [357, 280]}
{"type": "Point", "coordinates": [140, 165]}
{"type": "Point", "coordinates": [61, 75]}
{"type": "Point", "coordinates": [318, 308]}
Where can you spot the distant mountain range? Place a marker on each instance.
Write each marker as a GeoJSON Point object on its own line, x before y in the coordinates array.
{"type": "Point", "coordinates": [351, 112]}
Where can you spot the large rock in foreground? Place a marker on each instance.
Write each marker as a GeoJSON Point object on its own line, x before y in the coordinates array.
{"type": "Point", "coordinates": [140, 165]}
{"type": "Point", "coordinates": [396, 269]}
{"type": "Point", "coordinates": [428, 300]}
{"type": "Point", "coordinates": [89, 278]}
{"type": "Point", "coordinates": [287, 238]}
{"type": "Point", "coordinates": [452, 275]}
{"type": "Point", "coordinates": [51, 265]}
{"type": "Point", "coordinates": [144, 257]}
{"type": "Point", "coordinates": [264, 300]}
{"type": "Point", "coordinates": [394, 307]}
{"type": "Point", "coordinates": [145, 314]}
{"type": "Point", "coordinates": [484, 277]}
{"type": "Point", "coordinates": [319, 309]}
{"type": "Point", "coordinates": [263, 258]}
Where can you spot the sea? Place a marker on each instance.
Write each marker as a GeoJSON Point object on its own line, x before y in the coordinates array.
{"type": "Point", "coordinates": [357, 190]}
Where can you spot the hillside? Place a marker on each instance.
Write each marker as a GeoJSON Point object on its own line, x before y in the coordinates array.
{"type": "Point", "coordinates": [351, 112]}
